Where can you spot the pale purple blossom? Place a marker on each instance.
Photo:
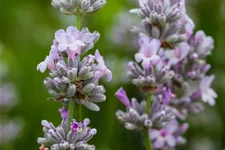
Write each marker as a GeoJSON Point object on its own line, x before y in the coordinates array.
{"type": "Point", "coordinates": [64, 113]}
{"type": "Point", "coordinates": [101, 67]}
{"type": "Point", "coordinates": [122, 96]}
{"type": "Point", "coordinates": [61, 138]}
{"type": "Point", "coordinates": [69, 42]}
{"type": "Point", "coordinates": [167, 95]}
{"type": "Point", "coordinates": [168, 137]}
{"type": "Point", "coordinates": [72, 40]}
{"type": "Point", "coordinates": [189, 27]}
{"type": "Point", "coordinates": [178, 54]}
{"type": "Point", "coordinates": [204, 44]}
{"type": "Point", "coordinates": [207, 93]}
{"type": "Point", "coordinates": [148, 52]}
{"type": "Point", "coordinates": [49, 60]}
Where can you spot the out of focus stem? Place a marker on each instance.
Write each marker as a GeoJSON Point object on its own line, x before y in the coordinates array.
{"type": "Point", "coordinates": [148, 105]}
{"type": "Point", "coordinates": [70, 115]}
{"type": "Point", "coordinates": [147, 141]}
{"type": "Point", "coordinates": [79, 108]}
{"type": "Point", "coordinates": [79, 117]}
{"type": "Point", "coordinates": [78, 21]}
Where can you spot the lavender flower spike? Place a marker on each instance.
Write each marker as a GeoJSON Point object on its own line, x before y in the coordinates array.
{"type": "Point", "coordinates": [60, 138]}
{"type": "Point", "coordinates": [70, 77]}
{"type": "Point", "coordinates": [207, 93]}
{"type": "Point", "coordinates": [122, 96]}
{"type": "Point", "coordinates": [76, 80]}
{"type": "Point", "coordinates": [136, 119]}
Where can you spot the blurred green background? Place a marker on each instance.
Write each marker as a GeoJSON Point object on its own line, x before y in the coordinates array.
{"type": "Point", "coordinates": [26, 32]}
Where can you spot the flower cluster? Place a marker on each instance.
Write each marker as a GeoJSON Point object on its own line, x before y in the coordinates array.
{"type": "Point", "coordinates": [73, 79]}
{"type": "Point", "coordinates": [170, 68]}
{"type": "Point", "coordinates": [62, 138]}
{"type": "Point", "coordinates": [137, 119]}
{"type": "Point", "coordinates": [74, 7]}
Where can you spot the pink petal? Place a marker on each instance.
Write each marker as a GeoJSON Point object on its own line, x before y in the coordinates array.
{"type": "Point", "coordinates": [109, 75]}
{"type": "Point", "coordinates": [146, 63]}
{"type": "Point", "coordinates": [170, 140]}
{"type": "Point", "coordinates": [79, 43]}
{"type": "Point", "coordinates": [154, 46]}
{"type": "Point", "coordinates": [154, 134]}
{"type": "Point", "coordinates": [206, 82]}
{"type": "Point", "coordinates": [159, 143]}
{"type": "Point", "coordinates": [98, 57]}
{"type": "Point", "coordinates": [71, 53]}
{"type": "Point", "coordinates": [71, 30]}
{"type": "Point", "coordinates": [60, 36]}
{"type": "Point", "coordinates": [73, 46]}
{"type": "Point", "coordinates": [42, 66]}
{"type": "Point", "coordinates": [88, 37]}
{"type": "Point", "coordinates": [155, 59]}
{"type": "Point", "coordinates": [139, 57]}
{"type": "Point", "coordinates": [62, 47]}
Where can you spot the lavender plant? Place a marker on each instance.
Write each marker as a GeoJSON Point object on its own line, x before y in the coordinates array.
{"type": "Point", "coordinates": [170, 68]}
{"type": "Point", "coordinates": [10, 127]}
{"type": "Point", "coordinates": [73, 79]}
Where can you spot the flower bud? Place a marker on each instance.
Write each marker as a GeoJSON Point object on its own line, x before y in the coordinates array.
{"type": "Point", "coordinates": [71, 90]}
{"type": "Point", "coordinates": [88, 88]}
{"type": "Point", "coordinates": [85, 4]}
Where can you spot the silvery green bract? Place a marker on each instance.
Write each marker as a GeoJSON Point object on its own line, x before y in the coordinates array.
{"type": "Point", "coordinates": [75, 7]}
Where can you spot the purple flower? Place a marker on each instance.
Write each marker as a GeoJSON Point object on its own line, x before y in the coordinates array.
{"type": "Point", "coordinates": [168, 137]}
{"type": "Point", "coordinates": [72, 40]}
{"type": "Point", "coordinates": [189, 27]}
{"type": "Point", "coordinates": [61, 138]}
{"type": "Point", "coordinates": [122, 96]}
{"type": "Point", "coordinates": [49, 60]}
{"type": "Point", "coordinates": [162, 138]}
{"type": "Point", "coordinates": [178, 54]}
{"type": "Point", "coordinates": [204, 44]}
{"type": "Point", "coordinates": [64, 113]}
{"type": "Point", "coordinates": [148, 52]}
{"type": "Point", "coordinates": [75, 127]}
{"type": "Point", "coordinates": [167, 95]}
{"type": "Point", "coordinates": [207, 93]}
{"type": "Point", "coordinates": [101, 67]}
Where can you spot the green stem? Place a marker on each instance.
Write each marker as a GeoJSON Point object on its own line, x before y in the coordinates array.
{"type": "Point", "coordinates": [149, 96]}
{"type": "Point", "coordinates": [78, 22]}
{"type": "Point", "coordinates": [80, 112]}
{"type": "Point", "coordinates": [147, 140]}
{"type": "Point", "coordinates": [71, 111]}
{"type": "Point", "coordinates": [146, 134]}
